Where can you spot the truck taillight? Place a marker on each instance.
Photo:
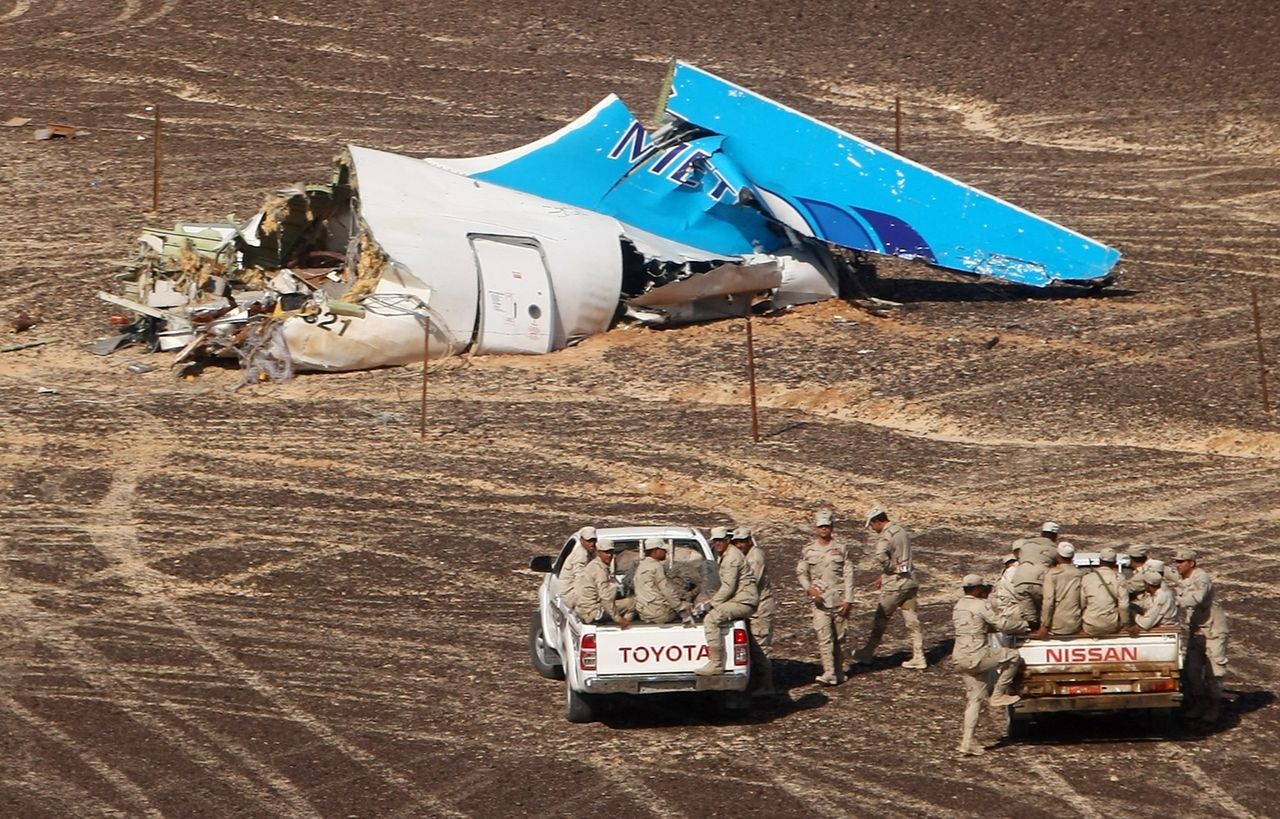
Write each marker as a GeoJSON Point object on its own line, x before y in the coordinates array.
{"type": "Point", "coordinates": [741, 649]}
{"type": "Point", "coordinates": [1160, 686]}
{"type": "Point", "coordinates": [587, 653]}
{"type": "Point", "coordinates": [1077, 690]}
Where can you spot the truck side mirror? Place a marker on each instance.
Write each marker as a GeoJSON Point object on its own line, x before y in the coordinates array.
{"type": "Point", "coordinates": [542, 563]}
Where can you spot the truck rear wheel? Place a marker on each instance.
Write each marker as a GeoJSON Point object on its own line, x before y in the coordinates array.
{"type": "Point", "coordinates": [539, 650]}
{"type": "Point", "coordinates": [578, 707]}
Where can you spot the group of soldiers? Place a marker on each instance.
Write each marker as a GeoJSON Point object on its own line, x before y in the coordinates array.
{"type": "Point", "coordinates": [825, 572]}
{"type": "Point", "coordinates": [1040, 593]}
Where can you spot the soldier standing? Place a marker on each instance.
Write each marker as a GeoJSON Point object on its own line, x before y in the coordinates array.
{"type": "Point", "coordinates": [1208, 632]}
{"type": "Point", "coordinates": [762, 620]}
{"type": "Point", "coordinates": [826, 575]}
{"type": "Point", "coordinates": [598, 600]}
{"type": "Point", "coordinates": [898, 588]}
{"type": "Point", "coordinates": [975, 659]}
{"type": "Point", "coordinates": [656, 598]}
{"type": "Point", "coordinates": [579, 556]}
{"type": "Point", "coordinates": [1105, 598]}
{"type": "Point", "coordinates": [736, 599]}
{"type": "Point", "coordinates": [1062, 611]}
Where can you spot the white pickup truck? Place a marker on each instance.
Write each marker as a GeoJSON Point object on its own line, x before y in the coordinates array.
{"type": "Point", "coordinates": [599, 659]}
{"type": "Point", "coordinates": [1081, 674]}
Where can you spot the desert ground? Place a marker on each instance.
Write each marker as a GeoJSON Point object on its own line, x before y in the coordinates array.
{"type": "Point", "coordinates": [282, 601]}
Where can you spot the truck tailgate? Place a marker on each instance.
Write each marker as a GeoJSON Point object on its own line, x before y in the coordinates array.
{"type": "Point", "coordinates": [651, 650]}
{"type": "Point", "coordinates": [1083, 654]}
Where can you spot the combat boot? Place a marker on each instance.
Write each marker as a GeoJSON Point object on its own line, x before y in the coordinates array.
{"type": "Point", "coordinates": [970, 748]}
{"type": "Point", "coordinates": [917, 656]}
{"type": "Point", "coordinates": [828, 675]}
{"type": "Point", "coordinates": [864, 656]}
{"type": "Point", "coordinates": [1003, 700]}
{"type": "Point", "coordinates": [715, 662]}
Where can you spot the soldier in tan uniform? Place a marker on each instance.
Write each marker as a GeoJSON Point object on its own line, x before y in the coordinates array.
{"type": "Point", "coordinates": [1004, 601]}
{"type": "Point", "coordinates": [736, 599]}
{"type": "Point", "coordinates": [1207, 632]}
{"type": "Point", "coordinates": [1027, 588]}
{"type": "Point", "coordinates": [1043, 548]}
{"type": "Point", "coordinates": [656, 598]}
{"type": "Point", "coordinates": [898, 588]}
{"type": "Point", "coordinates": [975, 659]}
{"type": "Point", "coordinates": [1106, 600]}
{"type": "Point", "coordinates": [762, 620]}
{"type": "Point", "coordinates": [1159, 605]}
{"type": "Point", "coordinates": [1062, 611]}
{"type": "Point", "coordinates": [579, 556]}
{"type": "Point", "coordinates": [598, 600]}
{"type": "Point", "coordinates": [826, 576]}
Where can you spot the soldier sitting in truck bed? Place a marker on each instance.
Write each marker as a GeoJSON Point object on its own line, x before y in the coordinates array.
{"type": "Point", "coordinates": [656, 598]}
{"type": "Point", "coordinates": [1106, 600]}
{"type": "Point", "coordinates": [598, 600]}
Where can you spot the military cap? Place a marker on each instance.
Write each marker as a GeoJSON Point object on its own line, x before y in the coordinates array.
{"type": "Point", "coordinates": [1152, 577]}
{"type": "Point", "coordinates": [1010, 558]}
{"type": "Point", "coordinates": [741, 533]}
{"type": "Point", "coordinates": [1154, 565]}
{"type": "Point", "coordinates": [587, 533]}
{"type": "Point", "coordinates": [824, 518]}
{"type": "Point", "coordinates": [1065, 549]}
{"type": "Point", "coordinates": [605, 545]}
{"type": "Point", "coordinates": [1107, 555]}
{"type": "Point", "coordinates": [651, 543]}
{"type": "Point", "coordinates": [1137, 550]}
{"type": "Point", "coordinates": [875, 512]}
{"type": "Point", "coordinates": [1051, 527]}
{"type": "Point", "coordinates": [1184, 554]}
{"type": "Point", "coordinates": [972, 580]}
{"type": "Point", "coordinates": [719, 532]}
{"type": "Point", "coordinates": [1016, 546]}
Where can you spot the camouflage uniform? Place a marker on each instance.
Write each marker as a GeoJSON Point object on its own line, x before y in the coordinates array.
{"type": "Point", "coordinates": [1106, 602]}
{"type": "Point", "coordinates": [598, 599]}
{"type": "Point", "coordinates": [898, 590]}
{"type": "Point", "coordinates": [1063, 607]}
{"type": "Point", "coordinates": [736, 599]}
{"type": "Point", "coordinates": [1208, 633]}
{"type": "Point", "coordinates": [827, 567]}
{"type": "Point", "coordinates": [975, 658]}
{"type": "Point", "coordinates": [656, 598]}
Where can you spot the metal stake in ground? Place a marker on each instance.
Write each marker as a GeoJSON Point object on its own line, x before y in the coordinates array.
{"type": "Point", "coordinates": [155, 160]}
{"type": "Point", "coordinates": [751, 376]}
{"type": "Point", "coordinates": [426, 359]}
{"type": "Point", "coordinates": [897, 125]}
{"type": "Point", "coordinates": [1262, 357]}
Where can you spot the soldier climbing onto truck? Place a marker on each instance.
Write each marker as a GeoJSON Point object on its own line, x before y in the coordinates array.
{"type": "Point", "coordinates": [975, 658]}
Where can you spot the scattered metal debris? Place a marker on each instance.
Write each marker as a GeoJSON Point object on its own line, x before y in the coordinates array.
{"type": "Point", "coordinates": [59, 132]}
{"type": "Point", "coordinates": [23, 345]}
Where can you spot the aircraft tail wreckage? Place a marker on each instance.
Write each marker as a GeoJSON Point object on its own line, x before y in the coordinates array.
{"type": "Point", "coordinates": [527, 250]}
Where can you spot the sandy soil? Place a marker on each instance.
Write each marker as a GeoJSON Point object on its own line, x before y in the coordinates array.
{"type": "Point", "coordinates": [281, 601]}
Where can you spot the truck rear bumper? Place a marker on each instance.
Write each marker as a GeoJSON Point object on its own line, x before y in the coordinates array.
{"type": "Point", "coordinates": [661, 683]}
{"type": "Point", "coordinates": [1100, 702]}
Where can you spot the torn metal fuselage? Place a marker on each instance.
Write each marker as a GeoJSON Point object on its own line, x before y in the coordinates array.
{"type": "Point", "coordinates": [732, 199]}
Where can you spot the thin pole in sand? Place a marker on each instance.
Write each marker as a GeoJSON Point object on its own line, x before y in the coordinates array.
{"type": "Point", "coordinates": [897, 125]}
{"type": "Point", "coordinates": [1262, 357]}
{"type": "Point", "coordinates": [751, 376]}
{"type": "Point", "coordinates": [426, 359]}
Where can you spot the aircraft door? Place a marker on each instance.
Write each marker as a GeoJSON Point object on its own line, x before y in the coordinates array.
{"type": "Point", "coordinates": [517, 307]}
